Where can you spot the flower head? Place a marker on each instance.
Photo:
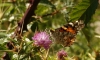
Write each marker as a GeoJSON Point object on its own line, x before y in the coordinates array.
{"type": "Point", "coordinates": [61, 54]}
{"type": "Point", "coordinates": [42, 39]}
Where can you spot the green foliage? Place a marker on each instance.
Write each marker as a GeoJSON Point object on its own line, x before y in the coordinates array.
{"type": "Point", "coordinates": [84, 11]}
{"type": "Point", "coordinates": [50, 14]}
{"type": "Point", "coordinates": [80, 9]}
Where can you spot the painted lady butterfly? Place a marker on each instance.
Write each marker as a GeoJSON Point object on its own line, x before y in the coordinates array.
{"type": "Point", "coordinates": [66, 34]}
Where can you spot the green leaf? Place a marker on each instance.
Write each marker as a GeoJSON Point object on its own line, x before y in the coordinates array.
{"type": "Point", "coordinates": [79, 10]}
{"type": "Point", "coordinates": [47, 2]}
{"type": "Point", "coordinates": [84, 11]}
{"type": "Point", "coordinates": [2, 35]}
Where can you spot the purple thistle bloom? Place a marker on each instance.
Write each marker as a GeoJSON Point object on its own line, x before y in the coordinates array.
{"type": "Point", "coordinates": [42, 39]}
{"type": "Point", "coordinates": [61, 54]}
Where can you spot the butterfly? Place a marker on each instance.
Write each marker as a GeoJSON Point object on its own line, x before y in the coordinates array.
{"type": "Point", "coordinates": [66, 34]}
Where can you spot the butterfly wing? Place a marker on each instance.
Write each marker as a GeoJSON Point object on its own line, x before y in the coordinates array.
{"type": "Point", "coordinates": [66, 34]}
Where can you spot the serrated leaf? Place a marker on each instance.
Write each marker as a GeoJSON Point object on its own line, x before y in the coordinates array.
{"type": "Point", "coordinates": [84, 11]}
{"type": "Point", "coordinates": [79, 10]}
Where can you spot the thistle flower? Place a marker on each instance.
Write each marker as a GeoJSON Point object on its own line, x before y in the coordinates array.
{"type": "Point", "coordinates": [61, 54]}
{"type": "Point", "coordinates": [42, 39]}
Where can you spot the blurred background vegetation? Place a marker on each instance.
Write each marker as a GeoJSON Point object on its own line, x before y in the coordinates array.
{"type": "Point", "coordinates": [51, 14]}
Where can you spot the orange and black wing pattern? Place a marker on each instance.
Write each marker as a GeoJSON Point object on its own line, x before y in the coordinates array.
{"type": "Point", "coordinates": [66, 34]}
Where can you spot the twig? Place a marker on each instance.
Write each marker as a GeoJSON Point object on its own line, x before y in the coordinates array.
{"type": "Point", "coordinates": [22, 24]}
